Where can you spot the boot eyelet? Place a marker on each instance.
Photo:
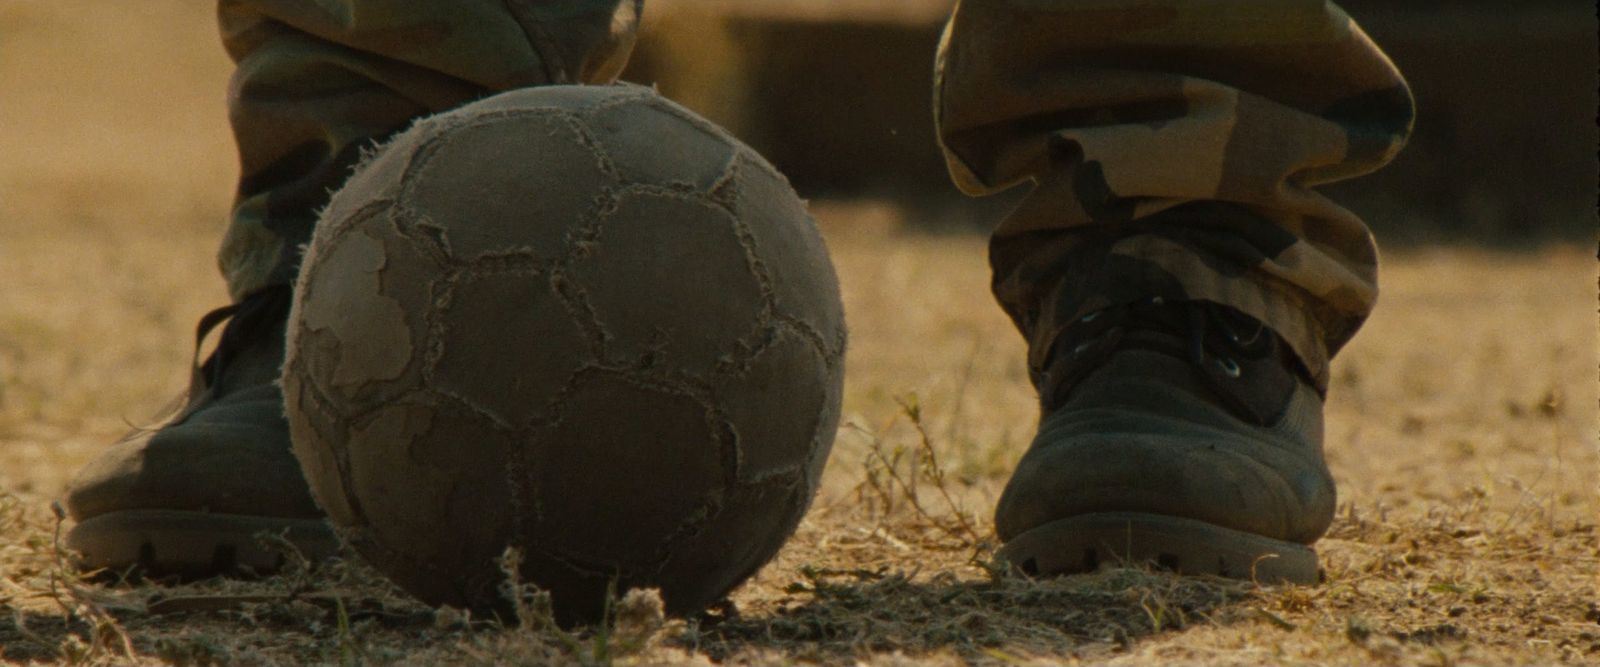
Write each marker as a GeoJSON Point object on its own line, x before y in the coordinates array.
{"type": "Point", "coordinates": [1241, 341]}
{"type": "Point", "coordinates": [1228, 366]}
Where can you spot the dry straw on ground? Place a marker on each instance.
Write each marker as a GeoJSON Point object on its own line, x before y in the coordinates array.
{"type": "Point", "coordinates": [1462, 431]}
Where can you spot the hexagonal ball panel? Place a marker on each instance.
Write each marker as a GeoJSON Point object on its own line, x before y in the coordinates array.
{"type": "Point", "coordinates": [656, 144]}
{"type": "Point", "coordinates": [575, 98]}
{"type": "Point", "coordinates": [507, 345]}
{"type": "Point", "coordinates": [499, 185]}
{"type": "Point", "coordinates": [318, 442]}
{"type": "Point", "coordinates": [669, 279]}
{"type": "Point", "coordinates": [788, 243]}
{"type": "Point", "coordinates": [361, 313]}
{"type": "Point", "coordinates": [375, 181]}
{"type": "Point", "coordinates": [776, 405]}
{"type": "Point", "coordinates": [624, 468]}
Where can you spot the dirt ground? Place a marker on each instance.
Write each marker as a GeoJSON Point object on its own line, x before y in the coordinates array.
{"type": "Point", "coordinates": [1462, 432]}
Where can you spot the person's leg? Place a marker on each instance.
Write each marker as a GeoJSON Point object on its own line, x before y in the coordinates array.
{"type": "Point", "coordinates": [1173, 147]}
{"type": "Point", "coordinates": [317, 83]}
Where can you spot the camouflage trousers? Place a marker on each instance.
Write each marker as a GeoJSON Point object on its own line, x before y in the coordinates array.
{"type": "Point", "coordinates": [1173, 147]}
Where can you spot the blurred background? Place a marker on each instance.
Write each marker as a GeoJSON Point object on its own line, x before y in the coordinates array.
{"type": "Point", "coordinates": [837, 94]}
{"type": "Point", "coordinates": [108, 107]}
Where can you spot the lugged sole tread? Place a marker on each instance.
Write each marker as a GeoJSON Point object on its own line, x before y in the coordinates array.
{"type": "Point", "coordinates": [1083, 543]}
{"type": "Point", "coordinates": [194, 545]}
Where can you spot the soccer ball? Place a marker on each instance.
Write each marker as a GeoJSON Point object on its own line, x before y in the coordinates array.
{"type": "Point", "coordinates": [578, 321]}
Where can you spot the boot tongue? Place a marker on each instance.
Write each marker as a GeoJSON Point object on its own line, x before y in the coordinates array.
{"type": "Point", "coordinates": [1240, 361]}
{"type": "Point", "coordinates": [250, 350]}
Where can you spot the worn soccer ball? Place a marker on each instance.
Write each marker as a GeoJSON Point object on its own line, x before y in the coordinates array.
{"type": "Point", "coordinates": [577, 321]}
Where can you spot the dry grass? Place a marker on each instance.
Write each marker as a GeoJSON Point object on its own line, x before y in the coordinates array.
{"type": "Point", "coordinates": [1462, 432]}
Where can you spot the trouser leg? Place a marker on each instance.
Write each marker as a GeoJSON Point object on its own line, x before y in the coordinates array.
{"type": "Point", "coordinates": [318, 82]}
{"type": "Point", "coordinates": [1173, 147]}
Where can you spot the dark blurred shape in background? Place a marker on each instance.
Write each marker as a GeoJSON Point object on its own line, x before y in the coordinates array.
{"type": "Point", "coordinates": [837, 94]}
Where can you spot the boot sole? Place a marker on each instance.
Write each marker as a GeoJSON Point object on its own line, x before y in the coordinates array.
{"type": "Point", "coordinates": [1084, 543]}
{"type": "Point", "coordinates": [195, 545]}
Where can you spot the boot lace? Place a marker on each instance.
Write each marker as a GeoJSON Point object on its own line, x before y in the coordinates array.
{"type": "Point", "coordinates": [249, 321]}
{"type": "Point", "coordinates": [1239, 358]}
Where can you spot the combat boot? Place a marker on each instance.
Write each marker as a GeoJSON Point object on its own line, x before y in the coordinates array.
{"type": "Point", "coordinates": [1182, 435]}
{"type": "Point", "coordinates": [191, 498]}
